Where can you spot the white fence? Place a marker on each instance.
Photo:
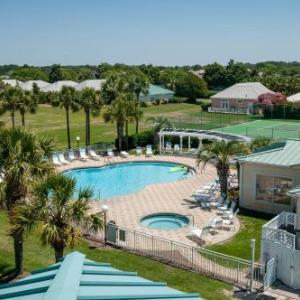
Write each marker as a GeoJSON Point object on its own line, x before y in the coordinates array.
{"type": "Point", "coordinates": [274, 229]}
{"type": "Point", "coordinates": [227, 268]}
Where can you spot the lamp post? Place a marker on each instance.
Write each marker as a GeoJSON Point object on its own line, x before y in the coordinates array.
{"type": "Point", "coordinates": [105, 209]}
{"type": "Point", "coordinates": [78, 141]}
{"type": "Point", "coordinates": [252, 263]}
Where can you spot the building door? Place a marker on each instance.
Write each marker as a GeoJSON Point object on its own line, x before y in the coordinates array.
{"type": "Point", "coordinates": [225, 105]}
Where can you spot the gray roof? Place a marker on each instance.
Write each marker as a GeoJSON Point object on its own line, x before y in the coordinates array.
{"type": "Point", "coordinates": [294, 98]}
{"type": "Point", "coordinates": [28, 85]}
{"type": "Point", "coordinates": [79, 278]}
{"type": "Point", "coordinates": [287, 156]}
{"type": "Point", "coordinates": [243, 91]}
{"type": "Point", "coordinates": [57, 86]}
{"type": "Point", "coordinates": [95, 84]}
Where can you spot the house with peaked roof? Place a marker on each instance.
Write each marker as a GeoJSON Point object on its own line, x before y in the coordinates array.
{"type": "Point", "coordinates": [294, 98]}
{"type": "Point", "coordinates": [267, 176]}
{"type": "Point", "coordinates": [78, 278]}
{"type": "Point", "coordinates": [156, 92]}
{"type": "Point", "coordinates": [239, 98]}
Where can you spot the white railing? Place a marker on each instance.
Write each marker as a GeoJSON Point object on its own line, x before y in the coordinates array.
{"type": "Point", "coordinates": [273, 230]}
{"type": "Point", "coordinates": [229, 110]}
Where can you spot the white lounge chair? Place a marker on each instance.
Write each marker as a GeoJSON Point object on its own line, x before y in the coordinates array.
{"type": "Point", "coordinates": [124, 154]}
{"type": "Point", "coordinates": [62, 159]}
{"type": "Point", "coordinates": [93, 155]}
{"type": "Point", "coordinates": [139, 151]}
{"type": "Point", "coordinates": [110, 153]}
{"type": "Point", "coordinates": [149, 150]}
{"type": "Point", "coordinates": [225, 206]}
{"type": "Point", "coordinates": [176, 148]}
{"type": "Point", "coordinates": [82, 155]}
{"type": "Point", "coordinates": [230, 217]}
{"type": "Point", "coordinates": [55, 160]}
{"type": "Point", "coordinates": [215, 223]}
{"type": "Point", "coordinates": [168, 147]}
{"type": "Point", "coordinates": [71, 155]}
{"type": "Point", "coordinates": [199, 233]}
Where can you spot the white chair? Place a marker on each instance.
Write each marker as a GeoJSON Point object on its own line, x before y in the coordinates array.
{"type": "Point", "coordinates": [62, 159]}
{"type": "Point", "coordinates": [168, 147]}
{"type": "Point", "coordinates": [149, 150]}
{"type": "Point", "coordinates": [71, 155]}
{"type": "Point", "coordinates": [225, 206]}
{"type": "Point", "coordinates": [199, 233]}
{"type": "Point", "coordinates": [93, 155]}
{"type": "Point", "coordinates": [55, 160]}
{"type": "Point", "coordinates": [215, 223]}
{"type": "Point", "coordinates": [82, 155]}
{"type": "Point", "coordinates": [124, 154]}
{"type": "Point", "coordinates": [139, 151]}
{"type": "Point", "coordinates": [110, 153]}
{"type": "Point", "coordinates": [176, 148]}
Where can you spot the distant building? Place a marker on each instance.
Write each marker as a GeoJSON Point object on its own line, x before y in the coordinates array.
{"type": "Point", "coordinates": [238, 98]}
{"type": "Point", "coordinates": [156, 92]}
{"type": "Point", "coordinates": [294, 98]}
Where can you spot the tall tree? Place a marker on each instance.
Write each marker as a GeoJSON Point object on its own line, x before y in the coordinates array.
{"type": "Point", "coordinates": [22, 160]}
{"type": "Point", "coordinates": [90, 101]}
{"type": "Point", "coordinates": [58, 216]}
{"type": "Point", "coordinates": [55, 73]}
{"type": "Point", "coordinates": [10, 101]}
{"type": "Point", "coordinates": [118, 112]}
{"type": "Point", "coordinates": [138, 84]}
{"type": "Point", "coordinates": [67, 99]}
{"type": "Point", "coordinates": [219, 154]}
{"type": "Point", "coordinates": [28, 103]}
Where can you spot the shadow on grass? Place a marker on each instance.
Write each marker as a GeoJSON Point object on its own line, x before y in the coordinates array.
{"type": "Point", "coordinates": [7, 273]}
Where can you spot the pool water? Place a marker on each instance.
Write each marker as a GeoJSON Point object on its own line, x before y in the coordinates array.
{"type": "Point", "coordinates": [165, 221]}
{"type": "Point", "coordinates": [126, 178]}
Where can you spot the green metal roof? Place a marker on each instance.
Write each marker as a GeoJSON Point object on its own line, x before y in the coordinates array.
{"type": "Point", "coordinates": [157, 90]}
{"type": "Point", "coordinates": [82, 279]}
{"type": "Point", "coordinates": [287, 156]}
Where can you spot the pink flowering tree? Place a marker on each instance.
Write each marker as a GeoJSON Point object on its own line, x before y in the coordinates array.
{"type": "Point", "coordinates": [272, 99]}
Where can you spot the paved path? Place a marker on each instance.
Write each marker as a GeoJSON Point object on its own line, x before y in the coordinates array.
{"type": "Point", "coordinates": [175, 197]}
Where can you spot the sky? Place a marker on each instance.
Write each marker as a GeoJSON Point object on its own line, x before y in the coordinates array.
{"type": "Point", "coordinates": [159, 32]}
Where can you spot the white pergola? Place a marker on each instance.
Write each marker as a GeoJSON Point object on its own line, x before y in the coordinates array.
{"type": "Point", "coordinates": [199, 134]}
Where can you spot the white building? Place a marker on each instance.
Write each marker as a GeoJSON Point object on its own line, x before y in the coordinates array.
{"type": "Point", "coordinates": [294, 98]}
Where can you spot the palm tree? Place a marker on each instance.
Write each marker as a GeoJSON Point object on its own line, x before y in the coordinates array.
{"type": "Point", "coordinates": [138, 83]}
{"type": "Point", "coordinates": [219, 154]}
{"type": "Point", "coordinates": [118, 112]}
{"type": "Point", "coordinates": [22, 161]}
{"type": "Point", "coordinates": [55, 213]}
{"type": "Point", "coordinates": [10, 100]}
{"type": "Point", "coordinates": [158, 123]}
{"type": "Point", "coordinates": [28, 103]}
{"type": "Point", "coordinates": [90, 101]}
{"type": "Point", "coordinates": [67, 99]}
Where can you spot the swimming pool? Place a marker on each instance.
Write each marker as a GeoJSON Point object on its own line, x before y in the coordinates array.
{"type": "Point", "coordinates": [125, 178]}
{"type": "Point", "coordinates": [165, 221]}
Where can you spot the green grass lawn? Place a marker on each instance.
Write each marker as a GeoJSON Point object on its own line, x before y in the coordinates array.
{"type": "Point", "coordinates": [275, 129]}
{"type": "Point", "coordinates": [251, 223]}
{"type": "Point", "coordinates": [50, 122]}
{"type": "Point", "coordinates": [36, 256]}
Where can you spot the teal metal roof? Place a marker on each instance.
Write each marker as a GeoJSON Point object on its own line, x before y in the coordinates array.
{"type": "Point", "coordinates": [82, 279]}
{"type": "Point", "coordinates": [287, 156]}
{"type": "Point", "coordinates": [157, 90]}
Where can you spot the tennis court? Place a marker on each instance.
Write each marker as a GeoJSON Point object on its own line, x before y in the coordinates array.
{"type": "Point", "coordinates": [276, 129]}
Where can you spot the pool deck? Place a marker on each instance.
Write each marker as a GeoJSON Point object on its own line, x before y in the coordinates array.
{"type": "Point", "coordinates": [175, 197]}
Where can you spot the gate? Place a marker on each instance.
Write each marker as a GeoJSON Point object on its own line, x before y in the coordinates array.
{"type": "Point", "coordinates": [270, 272]}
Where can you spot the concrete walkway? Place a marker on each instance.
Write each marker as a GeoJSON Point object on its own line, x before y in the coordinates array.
{"type": "Point", "coordinates": [127, 210]}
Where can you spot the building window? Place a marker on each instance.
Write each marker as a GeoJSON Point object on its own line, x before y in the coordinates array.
{"type": "Point", "coordinates": [225, 104]}
{"type": "Point", "coordinates": [273, 189]}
